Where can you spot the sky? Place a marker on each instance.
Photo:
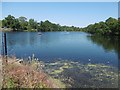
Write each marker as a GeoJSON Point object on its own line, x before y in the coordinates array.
{"type": "Point", "coordinates": [78, 14]}
{"type": "Point", "coordinates": [60, 0]}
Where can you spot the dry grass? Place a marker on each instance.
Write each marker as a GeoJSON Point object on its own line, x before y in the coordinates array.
{"type": "Point", "coordinates": [17, 75]}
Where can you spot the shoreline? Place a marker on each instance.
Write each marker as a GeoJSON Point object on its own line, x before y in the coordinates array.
{"type": "Point", "coordinates": [95, 34]}
{"type": "Point", "coordinates": [58, 74]}
{"type": "Point", "coordinates": [11, 30]}
{"type": "Point", "coordinates": [18, 74]}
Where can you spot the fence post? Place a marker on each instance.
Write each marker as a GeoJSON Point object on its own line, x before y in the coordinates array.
{"type": "Point", "coordinates": [5, 47]}
{"type": "Point", "coordinates": [5, 44]}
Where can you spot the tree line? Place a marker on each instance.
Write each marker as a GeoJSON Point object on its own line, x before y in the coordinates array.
{"type": "Point", "coordinates": [110, 27]}
{"type": "Point", "coordinates": [22, 24]}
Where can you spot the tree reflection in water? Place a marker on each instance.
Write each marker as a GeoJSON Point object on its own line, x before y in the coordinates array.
{"type": "Point", "coordinates": [109, 43]}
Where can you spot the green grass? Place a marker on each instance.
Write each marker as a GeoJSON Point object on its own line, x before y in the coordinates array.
{"type": "Point", "coordinates": [10, 83]}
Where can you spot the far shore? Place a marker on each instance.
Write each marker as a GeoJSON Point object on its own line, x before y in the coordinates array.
{"type": "Point", "coordinates": [33, 30]}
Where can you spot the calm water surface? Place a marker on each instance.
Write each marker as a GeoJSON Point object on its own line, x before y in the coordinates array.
{"type": "Point", "coordinates": [77, 46]}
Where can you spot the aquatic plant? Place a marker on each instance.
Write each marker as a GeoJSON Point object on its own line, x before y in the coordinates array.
{"type": "Point", "coordinates": [78, 75]}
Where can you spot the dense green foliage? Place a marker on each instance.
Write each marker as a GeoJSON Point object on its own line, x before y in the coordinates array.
{"type": "Point", "coordinates": [22, 24]}
{"type": "Point", "coordinates": [109, 27]}
{"type": "Point", "coordinates": [0, 23]}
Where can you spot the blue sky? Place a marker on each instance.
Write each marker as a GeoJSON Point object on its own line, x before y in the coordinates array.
{"type": "Point", "coordinates": [64, 13]}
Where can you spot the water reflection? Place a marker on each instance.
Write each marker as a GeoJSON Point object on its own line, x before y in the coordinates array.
{"type": "Point", "coordinates": [75, 46]}
{"type": "Point", "coordinates": [107, 42]}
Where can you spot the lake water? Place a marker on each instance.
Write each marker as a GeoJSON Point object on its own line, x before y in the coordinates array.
{"type": "Point", "coordinates": [94, 60]}
{"type": "Point", "coordinates": [75, 46]}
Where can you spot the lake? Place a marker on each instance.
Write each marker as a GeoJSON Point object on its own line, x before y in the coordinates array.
{"type": "Point", "coordinates": [75, 46]}
{"type": "Point", "coordinates": [94, 60]}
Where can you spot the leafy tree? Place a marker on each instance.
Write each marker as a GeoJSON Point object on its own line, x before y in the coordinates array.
{"type": "Point", "coordinates": [0, 23]}
{"type": "Point", "coordinates": [109, 27]}
{"type": "Point", "coordinates": [48, 26]}
{"type": "Point", "coordinates": [112, 24]}
{"type": "Point", "coordinates": [32, 24]}
{"type": "Point", "coordinates": [16, 25]}
{"type": "Point", "coordinates": [10, 21]}
{"type": "Point", "coordinates": [4, 23]}
{"type": "Point", "coordinates": [23, 23]}
{"type": "Point", "coordinates": [118, 27]}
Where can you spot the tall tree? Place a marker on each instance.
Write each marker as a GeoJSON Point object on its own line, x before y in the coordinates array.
{"type": "Point", "coordinates": [8, 21]}
{"type": "Point", "coordinates": [112, 24]}
{"type": "Point", "coordinates": [0, 23]}
{"type": "Point", "coordinates": [23, 23]}
{"type": "Point", "coordinates": [32, 24]}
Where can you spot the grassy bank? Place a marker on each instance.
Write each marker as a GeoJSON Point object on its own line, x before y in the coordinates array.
{"type": "Point", "coordinates": [19, 74]}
